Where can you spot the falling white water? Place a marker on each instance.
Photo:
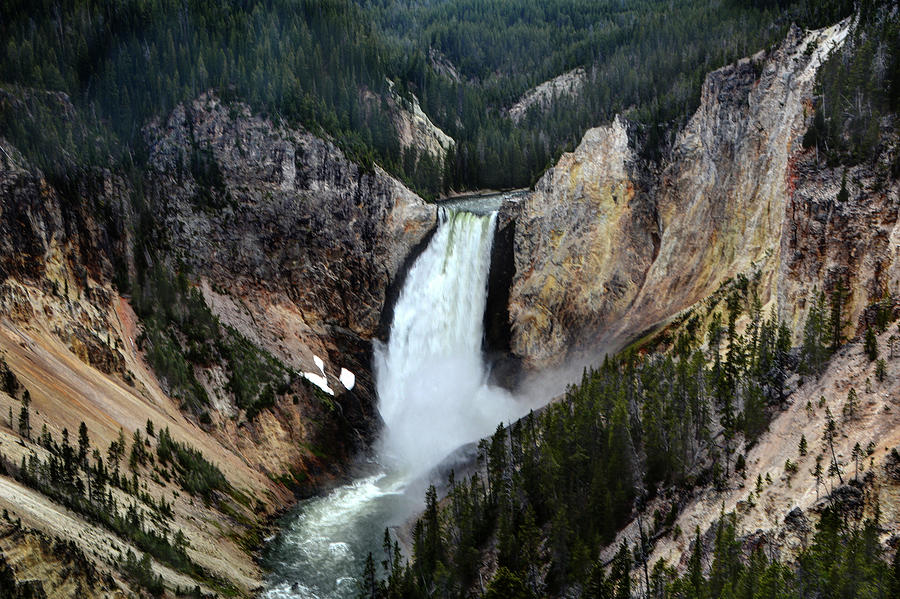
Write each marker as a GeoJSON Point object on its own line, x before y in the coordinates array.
{"type": "Point", "coordinates": [433, 395]}
{"type": "Point", "coordinates": [432, 383]}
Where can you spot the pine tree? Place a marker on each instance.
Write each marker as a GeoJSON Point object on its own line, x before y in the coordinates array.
{"type": "Point", "coordinates": [25, 416]}
{"type": "Point", "coordinates": [695, 569]}
{"type": "Point", "coordinates": [802, 447]}
{"type": "Point", "coordinates": [836, 320]}
{"type": "Point", "coordinates": [84, 443]}
{"type": "Point", "coordinates": [817, 474]}
{"type": "Point", "coordinates": [852, 404]}
{"type": "Point", "coordinates": [507, 585]}
{"type": "Point", "coordinates": [856, 455]}
{"type": "Point", "coordinates": [828, 436]}
{"type": "Point", "coordinates": [621, 572]}
{"type": "Point", "coordinates": [814, 349]}
{"type": "Point", "coordinates": [870, 345]}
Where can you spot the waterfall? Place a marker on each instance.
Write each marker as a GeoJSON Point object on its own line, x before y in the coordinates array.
{"type": "Point", "coordinates": [433, 396]}
{"type": "Point", "coordinates": [432, 382]}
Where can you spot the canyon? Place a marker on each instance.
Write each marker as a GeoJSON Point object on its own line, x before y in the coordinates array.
{"type": "Point", "coordinates": [302, 253]}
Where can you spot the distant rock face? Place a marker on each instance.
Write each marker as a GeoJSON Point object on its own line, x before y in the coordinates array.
{"type": "Point", "coordinates": [49, 235]}
{"type": "Point", "coordinates": [412, 127]}
{"type": "Point", "coordinates": [415, 130]}
{"type": "Point", "coordinates": [289, 215]}
{"type": "Point", "coordinates": [608, 247]}
{"type": "Point", "coordinates": [542, 96]}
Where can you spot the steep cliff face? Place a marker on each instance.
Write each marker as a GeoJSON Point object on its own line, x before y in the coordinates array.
{"type": "Point", "coordinates": [413, 128]}
{"type": "Point", "coordinates": [289, 243]}
{"type": "Point", "coordinates": [295, 245]}
{"type": "Point", "coordinates": [81, 225]}
{"type": "Point", "coordinates": [543, 95]}
{"type": "Point", "coordinates": [583, 243]}
{"type": "Point", "coordinates": [827, 239]}
{"type": "Point", "coordinates": [70, 343]}
{"type": "Point", "coordinates": [288, 213]}
{"type": "Point", "coordinates": [610, 247]}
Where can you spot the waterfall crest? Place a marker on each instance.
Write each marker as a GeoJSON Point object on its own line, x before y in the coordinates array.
{"type": "Point", "coordinates": [432, 382]}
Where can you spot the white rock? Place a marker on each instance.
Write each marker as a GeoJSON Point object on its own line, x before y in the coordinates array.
{"type": "Point", "coordinates": [319, 381]}
{"type": "Point", "coordinates": [348, 379]}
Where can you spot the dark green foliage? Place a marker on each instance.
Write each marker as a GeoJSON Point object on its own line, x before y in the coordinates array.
{"type": "Point", "coordinates": [814, 352]}
{"type": "Point", "coordinates": [502, 49]}
{"type": "Point", "coordinates": [195, 474]}
{"type": "Point", "coordinates": [181, 333]}
{"type": "Point", "coordinates": [254, 374]}
{"type": "Point", "coordinates": [837, 319]}
{"type": "Point", "coordinates": [884, 312]}
{"type": "Point", "coordinates": [506, 585]}
{"type": "Point", "coordinates": [83, 487]}
{"type": "Point", "coordinates": [311, 62]}
{"type": "Point", "coordinates": [844, 560]}
{"type": "Point", "coordinates": [8, 381]}
{"type": "Point", "coordinates": [880, 370]}
{"type": "Point", "coordinates": [169, 309]}
{"type": "Point", "coordinates": [140, 572]}
{"type": "Point", "coordinates": [857, 89]}
{"type": "Point", "coordinates": [50, 133]}
{"type": "Point", "coordinates": [25, 416]}
{"type": "Point", "coordinates": [870, 345]}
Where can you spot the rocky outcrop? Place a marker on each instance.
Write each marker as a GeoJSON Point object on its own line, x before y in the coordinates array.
{"type": "Point", "coordinates": [289, 242]}
{"type": "Point", "coordinates": [413, 129]}
{"type": "Point", "coordinates": [829, 239]}
{"type": "Point", "coordinates": [67, 241]}
{"type": "Point", "coordinates": [608, 247]}
{"type": "Point", "coordinates": [584, 241]}
{"type": "Point", "coordinates": [282, 222]}
{"type": "Point", "coordinates": [80, 228]}
{"type": "Point", "coordinates": [541, 97]}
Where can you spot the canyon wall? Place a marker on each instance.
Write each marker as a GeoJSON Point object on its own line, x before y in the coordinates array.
{"type": "Point", "coordinates": [610, 245]}
{"type": "Point", "coordinates": [291, 245]}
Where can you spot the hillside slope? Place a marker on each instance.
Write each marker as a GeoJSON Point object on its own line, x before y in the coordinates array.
{"type": "Point", "coordinates": [200, 395]}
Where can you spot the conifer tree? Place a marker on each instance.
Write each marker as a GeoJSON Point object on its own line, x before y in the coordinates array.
{"type": "Point", "coordinates": [25, 416]}
{"type": "Point", "coordinates": [813, 352]}
{"type": "Point", "coordinates": [828, 437]}
{"type": "Point", "coordinates": [870, 345]}
{"type": "Point", "coordinates": [84, 444]}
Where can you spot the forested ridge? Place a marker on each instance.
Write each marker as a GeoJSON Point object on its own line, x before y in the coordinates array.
{"type": "Point", "coordinates": [311, 62]}
{"type": "Point", "coordinates": [554, 488]}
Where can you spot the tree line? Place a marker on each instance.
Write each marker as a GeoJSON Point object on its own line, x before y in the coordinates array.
{"type": "Point", "coordinates": [311, 63]}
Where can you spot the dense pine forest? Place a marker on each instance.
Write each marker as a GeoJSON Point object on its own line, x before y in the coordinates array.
{"type": "Point", "coordinates": [311, 62]}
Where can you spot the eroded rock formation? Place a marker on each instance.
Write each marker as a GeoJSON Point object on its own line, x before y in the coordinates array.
{"type": "Point", "coordinates": [609, 245]}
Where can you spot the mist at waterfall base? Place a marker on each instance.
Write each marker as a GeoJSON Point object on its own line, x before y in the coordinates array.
{"type": "Point", "coordinates": [433, 396]}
